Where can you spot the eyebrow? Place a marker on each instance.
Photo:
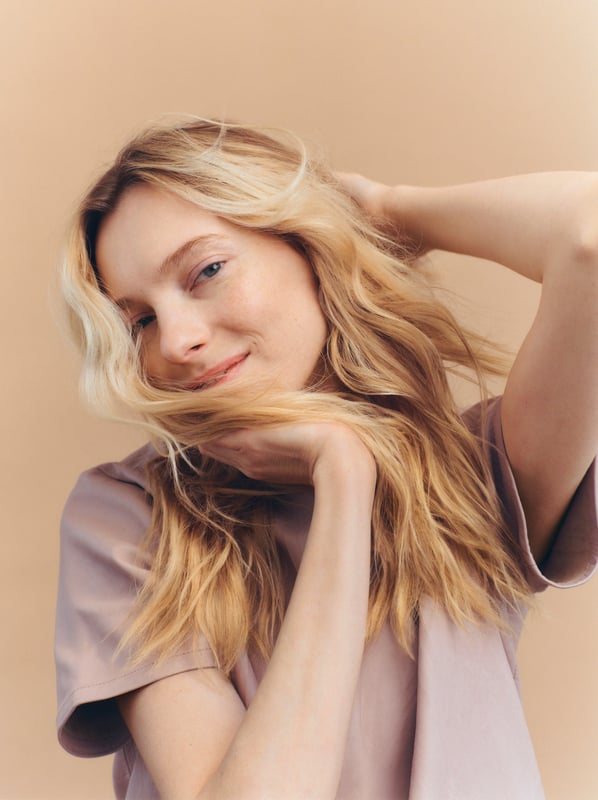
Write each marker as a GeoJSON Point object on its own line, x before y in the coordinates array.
{"type": "Point", "coordinates": [173, 261]}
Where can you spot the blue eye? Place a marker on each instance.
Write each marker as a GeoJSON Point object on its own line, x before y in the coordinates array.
{"type": "Point", "coordinates": [212, 269]}
{"type": "Point", "coordinates": [141, 323]}
{"type": "Point", "coordinates": [209, 272]}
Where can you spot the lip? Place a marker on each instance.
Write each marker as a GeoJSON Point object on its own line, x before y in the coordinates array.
{"type": "Point", "coordinates": [217, 374]}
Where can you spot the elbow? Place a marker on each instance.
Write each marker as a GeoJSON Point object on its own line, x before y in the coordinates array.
{"type": "Point", "coordinates": [585, 254]}
{"type": "Point", "coordinates": [585, 244]}
{"type": "Point", "coordinates": [571, 234]}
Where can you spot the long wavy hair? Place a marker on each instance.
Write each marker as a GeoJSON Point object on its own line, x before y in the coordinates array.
{"type": "Point", "coordinates": [216, 566]}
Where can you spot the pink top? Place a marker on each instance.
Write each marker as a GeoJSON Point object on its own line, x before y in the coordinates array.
{"type": "Point", "coordinates": [445, 726]}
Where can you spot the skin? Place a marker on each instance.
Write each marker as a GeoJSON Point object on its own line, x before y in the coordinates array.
{"type": "Point", "coordinates": [263, 303]}
{"type": "Point", "coordinates": [232, 293]}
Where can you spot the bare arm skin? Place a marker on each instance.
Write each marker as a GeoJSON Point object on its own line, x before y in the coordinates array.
{"type": "Point", "coordinates": [544, 227]}
{"type": "Point", "coordinates": [192, 730]}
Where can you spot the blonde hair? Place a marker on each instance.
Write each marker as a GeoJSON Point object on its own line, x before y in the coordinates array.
{"type": "Point", "coordinates": [216, 567]}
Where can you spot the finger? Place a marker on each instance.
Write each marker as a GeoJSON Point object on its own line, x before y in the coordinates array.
{"type": "Point", "coordinates": [351, 182]}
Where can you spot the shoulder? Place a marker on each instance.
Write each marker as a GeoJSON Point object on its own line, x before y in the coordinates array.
{"type": "Point", "coordinates": [131, 470]}
{"type": "Point", "coordinates": [108, 490]}
{"type": "Point", "coordinates": [104, 522]}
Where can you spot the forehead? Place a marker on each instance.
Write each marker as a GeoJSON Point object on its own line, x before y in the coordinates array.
{"type": "Point", "coordinates": [147, 226]}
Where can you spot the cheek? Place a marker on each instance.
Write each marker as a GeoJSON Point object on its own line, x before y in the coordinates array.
{"type": "Point", "coordinates": [258, 303]}
{"type": "Point", "coordinates": [278, 301]}
{"type": "Point", "coordinates": [307, 330]}
{"type": "Point", "coordinates": [308, 321]}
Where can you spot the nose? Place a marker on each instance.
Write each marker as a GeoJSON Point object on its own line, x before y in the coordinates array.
{"type": "Point", "coordinates": [182, 333]}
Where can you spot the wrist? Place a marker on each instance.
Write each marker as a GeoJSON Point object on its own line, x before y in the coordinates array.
{"type": "Point", "coordinates": [345, 464]}
{"type": "Point", "coordinates": [403, 207]}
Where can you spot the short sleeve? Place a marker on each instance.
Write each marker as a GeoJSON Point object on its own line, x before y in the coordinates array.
{"type": "Point", "coordinates": [103, 525]}
{"type": "Point", "coordinates": [573, 557]}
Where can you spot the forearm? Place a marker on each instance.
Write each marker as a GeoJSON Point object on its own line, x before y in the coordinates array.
{"type": "Point", "coordinates": [291, 742]}
{"type": "Point", "coordinates": [528, 223]}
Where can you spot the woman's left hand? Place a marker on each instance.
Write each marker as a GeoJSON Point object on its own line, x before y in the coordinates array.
{"type": "Point", "coordinates": [288, 454]}
{"type": "Point", "coordinates": [368, 194]}
{"type": "Point", "coordinates": [388, 208]}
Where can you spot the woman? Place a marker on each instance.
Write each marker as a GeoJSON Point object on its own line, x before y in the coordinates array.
{"type": "Point", "coordinates": [312, 583]}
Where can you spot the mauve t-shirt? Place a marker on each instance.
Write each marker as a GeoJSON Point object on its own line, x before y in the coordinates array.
{"type": "Point", "coordinates": [445, 725]}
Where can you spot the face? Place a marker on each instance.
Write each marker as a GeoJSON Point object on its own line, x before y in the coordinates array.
{"type": "Point", "coordinates": [211, 302]}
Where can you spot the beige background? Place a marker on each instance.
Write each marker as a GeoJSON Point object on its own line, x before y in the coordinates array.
{"type": "Point", "coordinates": [405, 90]}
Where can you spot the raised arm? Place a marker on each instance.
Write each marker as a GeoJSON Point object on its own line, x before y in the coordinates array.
{"type": "Point", "coordinates": [544, 227]}
{"type": "Point", "coordinates": [192, 730]}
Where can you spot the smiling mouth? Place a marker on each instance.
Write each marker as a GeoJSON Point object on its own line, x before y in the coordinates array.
{"type": "Point", "coordinates": [216, 375]}
{"type": "Point", "coordinates": [198, 387]}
